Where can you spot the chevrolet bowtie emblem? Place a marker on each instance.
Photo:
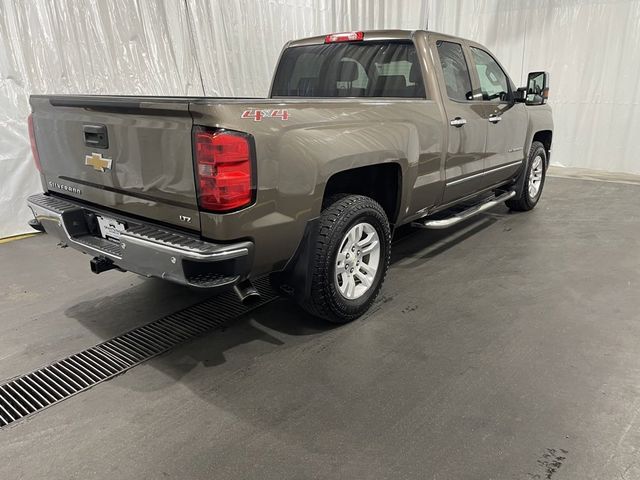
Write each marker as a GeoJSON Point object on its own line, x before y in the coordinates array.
{"type": "Point", "coordinates": [96, 161]}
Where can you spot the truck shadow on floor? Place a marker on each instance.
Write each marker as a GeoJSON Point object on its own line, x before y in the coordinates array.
{"type": "Point", "coordinates": [415, 247]}
{"type": "Point", "coordinates": [280, 324]}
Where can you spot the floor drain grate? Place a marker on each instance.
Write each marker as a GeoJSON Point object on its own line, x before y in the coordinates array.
{"type": "Point", "coordinates": [27, 394]}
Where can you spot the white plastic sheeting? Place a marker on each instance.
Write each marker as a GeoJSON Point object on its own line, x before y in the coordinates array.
{"type": "Point", "coordinates": [229, 48]}
{"type": "Point", "coordinates": [151, 47]}
{"type": "Point", "coordinates": [592, 50]}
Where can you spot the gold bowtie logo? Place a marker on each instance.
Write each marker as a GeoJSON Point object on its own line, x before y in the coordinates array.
{"type": "Point", "coordinates": [96, 161]}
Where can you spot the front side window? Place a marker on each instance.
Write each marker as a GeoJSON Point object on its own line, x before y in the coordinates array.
{"type": "Point", "coordinates": [367, 69]}
{"type": "Point", "coordinates": [494, 83]}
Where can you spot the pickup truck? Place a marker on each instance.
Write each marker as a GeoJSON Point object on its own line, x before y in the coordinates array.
{"type": "Point", "coordinates": [361, 132]}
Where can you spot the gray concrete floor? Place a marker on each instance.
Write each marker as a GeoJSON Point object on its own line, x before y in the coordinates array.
{"type": "Point", "coordinates": [508, 348]}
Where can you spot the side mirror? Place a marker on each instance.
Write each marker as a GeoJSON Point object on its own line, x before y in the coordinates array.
{"type": "Point", "coordinates": [537, 90]}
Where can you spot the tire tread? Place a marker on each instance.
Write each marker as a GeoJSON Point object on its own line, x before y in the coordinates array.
{"type": "Point", "coordinates": [340, 211]}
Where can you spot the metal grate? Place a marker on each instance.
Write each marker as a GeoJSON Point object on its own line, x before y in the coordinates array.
{"type": "Point", "coordinates": [27, 394]}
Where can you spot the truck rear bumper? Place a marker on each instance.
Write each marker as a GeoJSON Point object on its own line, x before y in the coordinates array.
{"type": "Point", "coordinates": [144, 248]}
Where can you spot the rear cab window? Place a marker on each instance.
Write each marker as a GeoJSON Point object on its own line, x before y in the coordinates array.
{"type": "Point", "coordinates": [357, 69]}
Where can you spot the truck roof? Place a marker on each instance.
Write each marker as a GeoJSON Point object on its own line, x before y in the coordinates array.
{"type": "Point", "coordinates": [369, 35]}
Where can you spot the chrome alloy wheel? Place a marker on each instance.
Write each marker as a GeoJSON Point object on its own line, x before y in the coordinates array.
{"type": "Point", "coordinates": [357, 261]}
{"type": "Point", "coordinates": [535, 176]}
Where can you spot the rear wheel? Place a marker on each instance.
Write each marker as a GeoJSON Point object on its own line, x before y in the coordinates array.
{"type": "Point", "coordinates": [351, 258]}
{"type": "Point", "coordinates": [535, 174]}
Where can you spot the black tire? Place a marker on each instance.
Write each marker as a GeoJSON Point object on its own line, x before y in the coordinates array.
{"type": "Point", "coordinates": [341, 214]}
{"type": "Point", "coordinates": [525, 201]}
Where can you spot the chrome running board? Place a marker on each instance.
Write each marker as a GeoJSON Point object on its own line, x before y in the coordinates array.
{"type": "Point", "coordinates": [468, 213]}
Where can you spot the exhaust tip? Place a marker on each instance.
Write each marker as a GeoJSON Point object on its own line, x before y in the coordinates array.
{"type": "Point", "coordinates": [246, 292]}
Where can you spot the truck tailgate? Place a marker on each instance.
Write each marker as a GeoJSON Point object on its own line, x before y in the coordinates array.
{"type": "Point", "coordinates": [128, 154]}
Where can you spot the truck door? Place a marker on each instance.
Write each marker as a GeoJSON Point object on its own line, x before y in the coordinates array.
{"type": "Point", "coordinates": [506, 120]}
{"type": "Point", "coordinates": [467, 127]}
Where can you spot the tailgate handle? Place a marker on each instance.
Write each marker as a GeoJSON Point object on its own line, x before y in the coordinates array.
{"type": "Point", "coordinates": [95, 136]}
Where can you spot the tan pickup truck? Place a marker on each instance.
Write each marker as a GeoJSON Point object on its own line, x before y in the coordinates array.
{"type": "Point", "coordinates": [361, 132]}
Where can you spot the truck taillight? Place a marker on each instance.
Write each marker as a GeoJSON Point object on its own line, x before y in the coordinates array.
{"type": "Point", "coordinates": [34, 148]}
{"type": "Point", "coordinates": [344, 37]}
{"type": "Point", "coordinates": [223, 169]}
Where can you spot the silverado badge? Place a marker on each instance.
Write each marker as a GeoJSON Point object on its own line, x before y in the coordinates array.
{"type": "Point", "coordinates": [96, 161]}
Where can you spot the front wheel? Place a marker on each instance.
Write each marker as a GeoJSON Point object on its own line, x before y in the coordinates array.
{"type": "Point", "coordinates": [351, 258]}
{"type": "Point", "coordinates": [535, 174]}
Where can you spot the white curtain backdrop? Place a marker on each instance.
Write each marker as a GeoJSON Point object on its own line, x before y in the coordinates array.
{"type": "Point", "coordinates": [151, 47]}
{"type": "Point", "coordinates": [592, 50]}
{"type": "Point", "coordinates": [229, 48]}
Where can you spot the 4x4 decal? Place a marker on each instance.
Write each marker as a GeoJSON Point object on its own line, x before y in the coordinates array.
{"type": "Point", "coordinates": [258, 115]}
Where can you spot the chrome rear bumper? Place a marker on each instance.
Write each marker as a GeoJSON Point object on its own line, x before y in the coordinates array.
{"type": "Point", "coordinates": [145, 248]}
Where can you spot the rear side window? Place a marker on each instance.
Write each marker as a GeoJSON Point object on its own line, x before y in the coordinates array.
{"type": "Point", "coordinates": [493, 81]}
{"type": "Point", "coordinates": [455, 71]}
{"type": "Point", "coordinates": [366, 69]}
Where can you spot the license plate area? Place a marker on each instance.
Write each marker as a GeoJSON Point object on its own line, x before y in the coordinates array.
{"type": "Point", "coordinates": [110, 228]}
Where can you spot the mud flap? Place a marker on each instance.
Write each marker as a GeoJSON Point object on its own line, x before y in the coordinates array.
{"type": "Point", "coordinates": [294, 278]}
{"type": "Point", "coordinates": [519, 185]}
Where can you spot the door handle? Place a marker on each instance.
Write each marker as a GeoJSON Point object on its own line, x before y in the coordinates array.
{"type": "Point", "coordinates": [458, 122]}
{"type": "Point", "coordinates": [493, 118]}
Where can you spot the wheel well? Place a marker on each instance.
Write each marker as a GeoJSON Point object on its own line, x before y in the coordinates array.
{"type": "Point", "coordinates": [544, 137]}
{"type": "Point", "coordinates": [380, 182]}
